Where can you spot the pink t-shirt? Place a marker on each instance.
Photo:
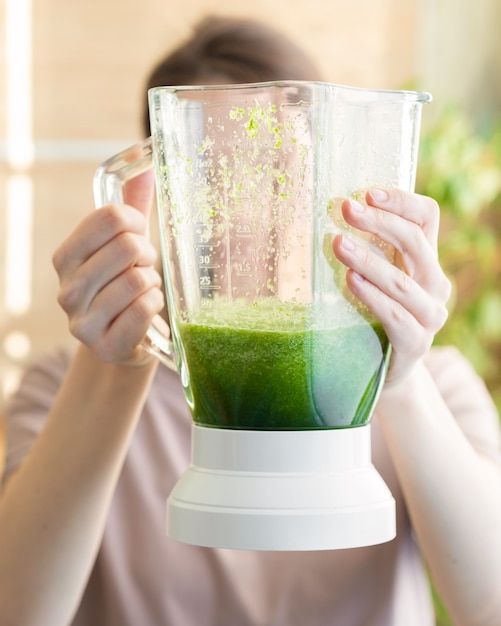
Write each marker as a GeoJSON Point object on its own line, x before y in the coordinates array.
{"type": "Point", "coordinates": [143, 578]}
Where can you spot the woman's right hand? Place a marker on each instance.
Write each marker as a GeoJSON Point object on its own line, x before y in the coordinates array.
{"type": "Point", "coordinates": [109, 287]}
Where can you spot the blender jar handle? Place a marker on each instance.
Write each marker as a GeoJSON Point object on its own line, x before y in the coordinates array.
{"type": "Point", "coordinates": [109, 181]}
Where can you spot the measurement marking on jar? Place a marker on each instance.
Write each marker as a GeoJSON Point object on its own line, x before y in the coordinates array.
{"type": "Point", "coordinates": [205, 262]}
{"type": "Point", "coordinates": [244, 269]}
{"type": "Point", "coordinates": [206, 282]}
{"type": "Point", "coordinates": [207, 243]}
{"type": "Point", "coordinates": [243, 230]}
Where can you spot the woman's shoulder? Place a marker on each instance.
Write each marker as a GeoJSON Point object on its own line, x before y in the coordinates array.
{"type": "Point", "coordinates": [468, 398]}
{"type": "Point", "coordinates": [27, 407]}
{"type": "Point", "coordinates": [455, 376]}
{"type": "Point", "coordinates": [438, 356]}
{"type": "Point", "coordinates": [41, 377]}
{"type": "Point", "coordinates": [450, 369]}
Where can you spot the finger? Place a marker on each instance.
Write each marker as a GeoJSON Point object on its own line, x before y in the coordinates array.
{"type": "Point", "coordinates": [125, 334]}
{"type": "Point", "coordinates": [409, 338]}
{"type": "Point", "coordinates": [139, 192]}
{"type": "Point", "coordinates": [137, 289]}
{"type": "Point", "coordinates": [427, 307]}
{"type": "Point", "coordinates": [124, 251]}
{"type": "Point", "coordinates": [421, 210]}
{"type": "Point", "coordinates": [416, 254]}
{"type": "Point", "coordinates": [97, 229]}
{"type": "Point", "coordinates": [121, 292]}
{"type": "Point", "coordinates": [404, 331]}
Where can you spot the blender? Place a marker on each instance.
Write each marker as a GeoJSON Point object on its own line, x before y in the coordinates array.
{"type": "Point", "coordinates": [280, 365]}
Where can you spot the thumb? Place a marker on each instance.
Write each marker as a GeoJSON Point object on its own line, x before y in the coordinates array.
{"type": "Point", "coordinates": [139, 192]}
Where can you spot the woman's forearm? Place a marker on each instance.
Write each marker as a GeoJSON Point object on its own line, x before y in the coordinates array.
{"type": "Point", "coordinates": [54, 508]}
{"type": "Point", "coordinates": [453, 496]}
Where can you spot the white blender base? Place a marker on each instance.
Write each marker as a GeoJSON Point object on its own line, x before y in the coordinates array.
{"type": "Point", "coordinates": [281, 490]}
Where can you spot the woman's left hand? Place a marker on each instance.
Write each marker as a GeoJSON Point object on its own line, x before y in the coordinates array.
{"type": "Point", "coordinates": [410, 297]}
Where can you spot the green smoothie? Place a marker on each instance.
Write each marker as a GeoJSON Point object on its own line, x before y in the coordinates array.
{"type": "Point", "coordinates": [263, 368]}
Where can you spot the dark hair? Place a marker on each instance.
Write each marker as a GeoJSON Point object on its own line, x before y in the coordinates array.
{"type": "Point", "coordinates": [224, 50]}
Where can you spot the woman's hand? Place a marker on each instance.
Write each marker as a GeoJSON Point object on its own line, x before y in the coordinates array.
{"type": "Point", "coordinates": [109, 287]}
{"type": "Point", "coordinates": [409, 298]}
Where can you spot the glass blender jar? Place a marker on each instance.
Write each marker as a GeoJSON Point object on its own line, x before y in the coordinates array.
{"type": "Point", "coordinates": [281, 366]}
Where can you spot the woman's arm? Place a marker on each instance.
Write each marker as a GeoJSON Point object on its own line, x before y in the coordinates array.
{"type": "Point", "coordinates": [453, 494]}
{"type": "Point", "coordinates": [54, 507]}
{"type": "Point", "coordinates": [452, 491]}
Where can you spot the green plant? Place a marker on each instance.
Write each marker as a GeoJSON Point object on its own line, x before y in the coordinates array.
{"type": "Point", "coordinates": [461, 169]}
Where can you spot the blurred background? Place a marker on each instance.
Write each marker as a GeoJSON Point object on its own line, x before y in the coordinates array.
{"type": "Point", "coordinates": [71, 91]}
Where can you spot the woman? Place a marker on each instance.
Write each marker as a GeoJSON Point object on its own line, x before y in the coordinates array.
{"type": "Point", "coordinates": [97, 439]}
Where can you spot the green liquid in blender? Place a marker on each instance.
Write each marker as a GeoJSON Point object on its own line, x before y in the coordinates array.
{"type": "Point", "coordinates": [270, 368]}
